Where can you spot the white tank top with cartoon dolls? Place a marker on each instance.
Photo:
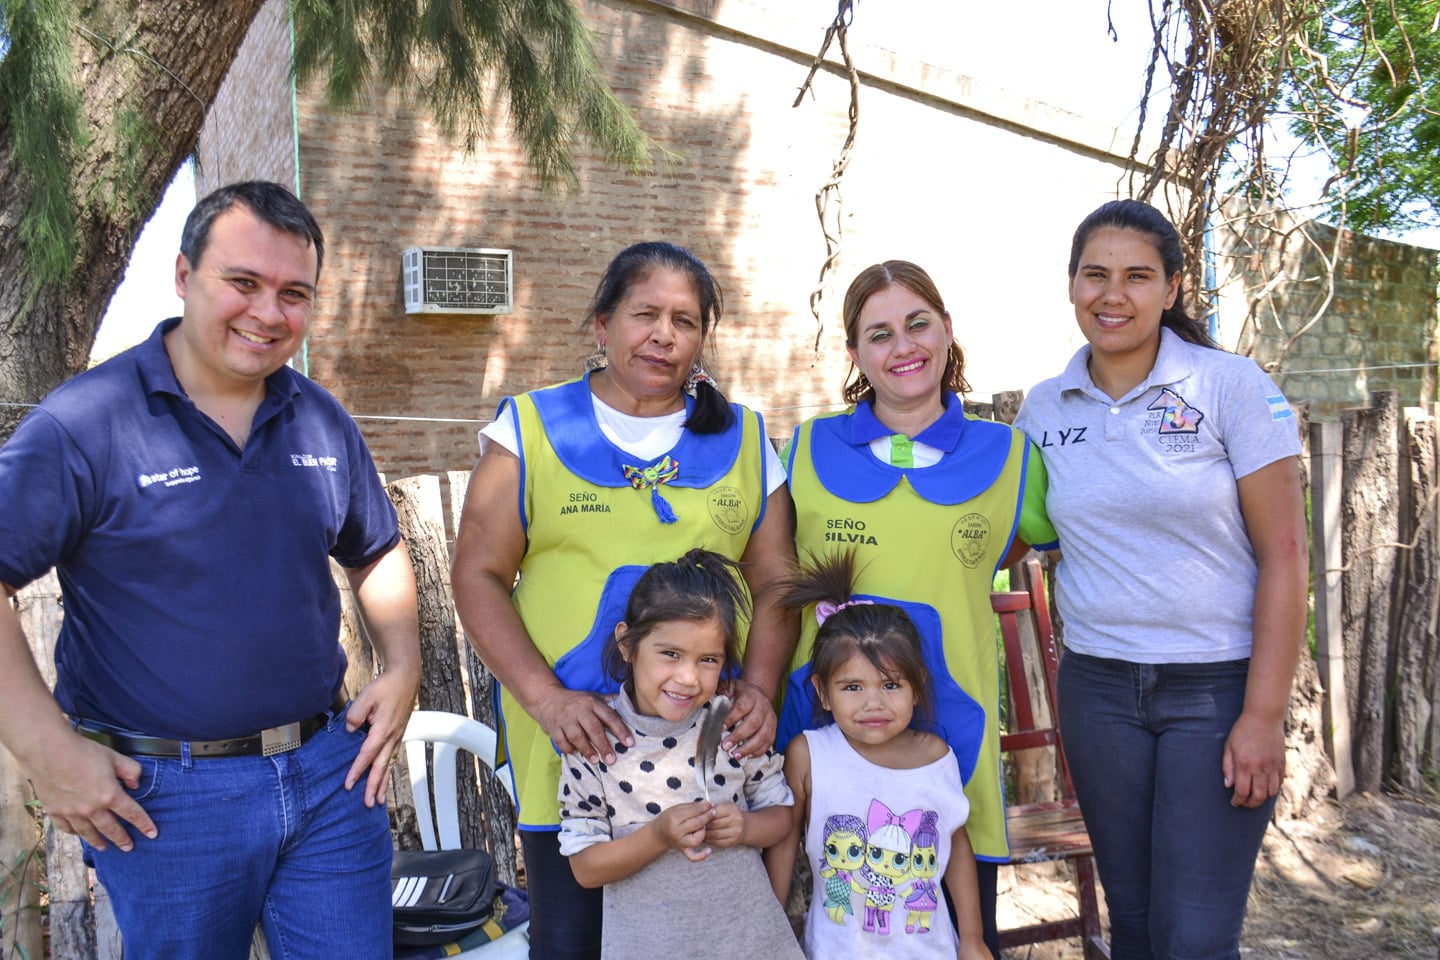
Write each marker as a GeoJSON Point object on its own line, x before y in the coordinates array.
{"type": "Point", "coordinates": [878, 841]}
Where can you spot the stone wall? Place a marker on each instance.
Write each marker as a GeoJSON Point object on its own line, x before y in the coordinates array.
{"type": "Point", "coordinates": [1373, 328]}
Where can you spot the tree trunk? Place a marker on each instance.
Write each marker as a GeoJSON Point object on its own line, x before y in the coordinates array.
{"type": "Point", "coordinates": [38, 608]}
{"type": "Point", "coordinates": [1370, 530]}
{"type": "Point", "coordinates": [499, 812]}
{"type": "Point", "coordinates": [160, 61]}
{"type": "Point", "coordinates": [1415, 631]}
{"type": "Point", "coordinates": [417, 501]}
{"type": "Point", "coordinates": [1309, 775]}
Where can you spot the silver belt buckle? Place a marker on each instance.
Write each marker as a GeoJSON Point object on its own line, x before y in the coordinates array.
{"type": "Point", "coordinates": [280, 739]}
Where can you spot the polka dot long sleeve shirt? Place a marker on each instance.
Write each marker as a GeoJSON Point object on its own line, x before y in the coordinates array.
{"type": "Point", "coordinates": [600, 801]}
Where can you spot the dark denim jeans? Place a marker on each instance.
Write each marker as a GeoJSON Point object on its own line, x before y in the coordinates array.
{"type": "Point", "coordinates": [278, 840]}
{"type": "Point", "coordinates": [565, 918]}
{"type": "Point", "coordinates": [1145, 743]}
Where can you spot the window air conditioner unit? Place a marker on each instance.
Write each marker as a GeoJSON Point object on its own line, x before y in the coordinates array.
{"type": "Point", "coordinates": [457, 280]}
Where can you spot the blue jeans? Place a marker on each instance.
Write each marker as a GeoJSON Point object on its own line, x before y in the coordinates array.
{"type": "Point", "coordinates": [276, 840]}
{"type": "Point", "coordinates": [1145, 743]}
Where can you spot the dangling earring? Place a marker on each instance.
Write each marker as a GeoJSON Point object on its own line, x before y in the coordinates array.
{"type": "Point", "coordinates": [596, 360]}
{"type": "Point", "coordinates": [698, 375]}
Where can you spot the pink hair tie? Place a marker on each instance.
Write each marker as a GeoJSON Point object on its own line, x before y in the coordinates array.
{"type": "Point", "coordinates": [824, 610]}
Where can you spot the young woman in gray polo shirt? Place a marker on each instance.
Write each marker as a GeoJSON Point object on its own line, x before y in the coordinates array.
{"type": "Point", "coordinates": [1176, 492]}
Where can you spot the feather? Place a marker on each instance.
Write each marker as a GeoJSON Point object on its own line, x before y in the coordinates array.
{"type": "Point", "coordinates": [712, 730]}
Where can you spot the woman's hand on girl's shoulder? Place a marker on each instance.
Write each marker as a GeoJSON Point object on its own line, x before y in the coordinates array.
{"type": "Point", "coordinates": [682, 827]}
{"type": "Point", "coordinates": [752, 722]}
{"type": "Point", "coordinates": [577, 722]}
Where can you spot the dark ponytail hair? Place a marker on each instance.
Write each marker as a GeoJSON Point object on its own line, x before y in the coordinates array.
{"type": "Point", "coordinates": [700, 586]}
{"type": "Point", "coordinates": [1145, 219]}
{"type": "Point", "coordinates": [712, 413]}
{"type": "Point", "coordinates": [881, 632]}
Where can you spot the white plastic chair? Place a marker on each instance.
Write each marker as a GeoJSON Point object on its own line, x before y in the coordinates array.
{"type": "Point", "coordinates": [447, 734]}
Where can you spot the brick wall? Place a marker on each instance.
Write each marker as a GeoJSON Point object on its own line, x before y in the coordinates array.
{"type": "Point", "coordinates": [980, 189]}
{"type": "Point", "coordinates": [1377, 331]}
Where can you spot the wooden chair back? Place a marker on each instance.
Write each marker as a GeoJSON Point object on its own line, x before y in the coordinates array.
{"type": "Point", "coordinates": [1045, 825]}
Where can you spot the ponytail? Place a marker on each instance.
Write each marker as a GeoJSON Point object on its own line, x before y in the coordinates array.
{"type": "Point", "coordinates": [699, 586]}
{"type": "Point", "coordinates": [712, 413]}
{"type": "Point", "coordinates": [881, 632]}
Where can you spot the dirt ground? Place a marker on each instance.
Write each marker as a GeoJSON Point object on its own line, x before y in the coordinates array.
{"type": "Point", "coordinates": [1357, 879]}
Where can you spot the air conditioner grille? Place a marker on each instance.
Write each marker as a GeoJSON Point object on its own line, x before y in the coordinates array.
{"type": "Point", "coordinates": [457, 280]}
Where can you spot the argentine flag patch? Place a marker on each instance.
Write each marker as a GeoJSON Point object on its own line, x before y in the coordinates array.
{"type": "Point", "coordinates": [1279, 409]}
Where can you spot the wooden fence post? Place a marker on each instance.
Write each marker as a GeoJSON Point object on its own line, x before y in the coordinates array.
{"type": "Point", "coordinates": [20, 834]}
{"type": "Point", "coordinates": [1037, 770]}
{"type": "Point", "coordinates": [1006, 405]}
{"type": "Point", "coordinates": [1326, 441]}
{"type": "Point", "coordinates": [19, 863]}
{"type": "Point", "coordinates": [1417, 598]}
{"type": "Point", "coordinates": [1371, 530]}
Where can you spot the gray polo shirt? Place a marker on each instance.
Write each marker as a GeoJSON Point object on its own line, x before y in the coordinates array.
{"type": "Point", "coordinates": [1158, 566]}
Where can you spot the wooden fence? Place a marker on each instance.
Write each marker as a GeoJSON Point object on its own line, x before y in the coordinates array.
{"type": "Point", "coordinates": [1375, 675]}
{"type": "Point", "coordinates": [1373, 490]}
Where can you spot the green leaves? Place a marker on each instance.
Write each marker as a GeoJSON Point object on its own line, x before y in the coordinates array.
{"type": "Point", "coordinates": [40, 115]}
{"type": "Point", "coordinates": [457, 56]}
{"type": "Point", "coordinates": [1367, 90]}
{"type": "Point", "coordinates": [465, 61]}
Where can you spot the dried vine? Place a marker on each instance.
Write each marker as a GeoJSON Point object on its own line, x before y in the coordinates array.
{"type": "Point", "coordinates": [1239, 69]}
{"type": "Point", "coordinates": [828, 200]}
{"type": "Point", "coordinates": [1226, 61]}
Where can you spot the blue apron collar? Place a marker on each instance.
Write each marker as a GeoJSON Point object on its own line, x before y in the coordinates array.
{"type": "Point", "coordinates": [568, 414]}
{"type": "Point", "coordinates": [944, 434]}
{"type": "Point", "coordinates": [975, 455]}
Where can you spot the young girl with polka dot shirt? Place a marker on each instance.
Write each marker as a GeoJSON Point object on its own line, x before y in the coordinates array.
{"type": "Point", "coordinates": [682, 872]}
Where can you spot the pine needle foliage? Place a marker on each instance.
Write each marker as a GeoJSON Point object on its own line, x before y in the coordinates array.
{"type": "Point", "coordinates": [457, 55]}
{"type": "Point", "coordinates": [40, 113]}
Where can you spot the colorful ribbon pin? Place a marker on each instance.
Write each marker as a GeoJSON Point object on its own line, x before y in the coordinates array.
{"type": "Point", "coordinates": [665, 470]}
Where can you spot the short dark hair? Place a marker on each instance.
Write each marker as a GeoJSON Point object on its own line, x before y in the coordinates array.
{"type": "Point", "coordinates": [698, 587]}
{"type": "Point", "coordinates": [872, 280]}
{"type": "Point", "coordinates": [882, 633]}
{"type": "Point", "coordinates": [270, 202]}
{"type": "Point", "coordinates": [633, 265]}
{"type": "Point", "coordinates": [1145, 219]}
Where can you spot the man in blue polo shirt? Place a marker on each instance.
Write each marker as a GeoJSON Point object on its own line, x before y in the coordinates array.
{"type": "Point", "coordinates": [191, 492]}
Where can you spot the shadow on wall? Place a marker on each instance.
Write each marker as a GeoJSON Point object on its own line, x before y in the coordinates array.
{"type": "Point", "coordinates": [382, 179]}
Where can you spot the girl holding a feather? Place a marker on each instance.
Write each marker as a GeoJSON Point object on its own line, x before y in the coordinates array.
{"type": "Point", "coordinates": [673, 827]}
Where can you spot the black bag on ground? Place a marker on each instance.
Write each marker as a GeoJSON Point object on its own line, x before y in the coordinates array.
{"type": "Point", "coordinates": [439, 896]}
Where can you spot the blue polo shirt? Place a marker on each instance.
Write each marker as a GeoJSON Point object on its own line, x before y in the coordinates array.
{"type": "Point", "coordinates": [199, 602]}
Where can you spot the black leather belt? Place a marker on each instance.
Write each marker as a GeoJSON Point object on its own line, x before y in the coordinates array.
{"type": "Point", "coordinates": [266, 743]}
